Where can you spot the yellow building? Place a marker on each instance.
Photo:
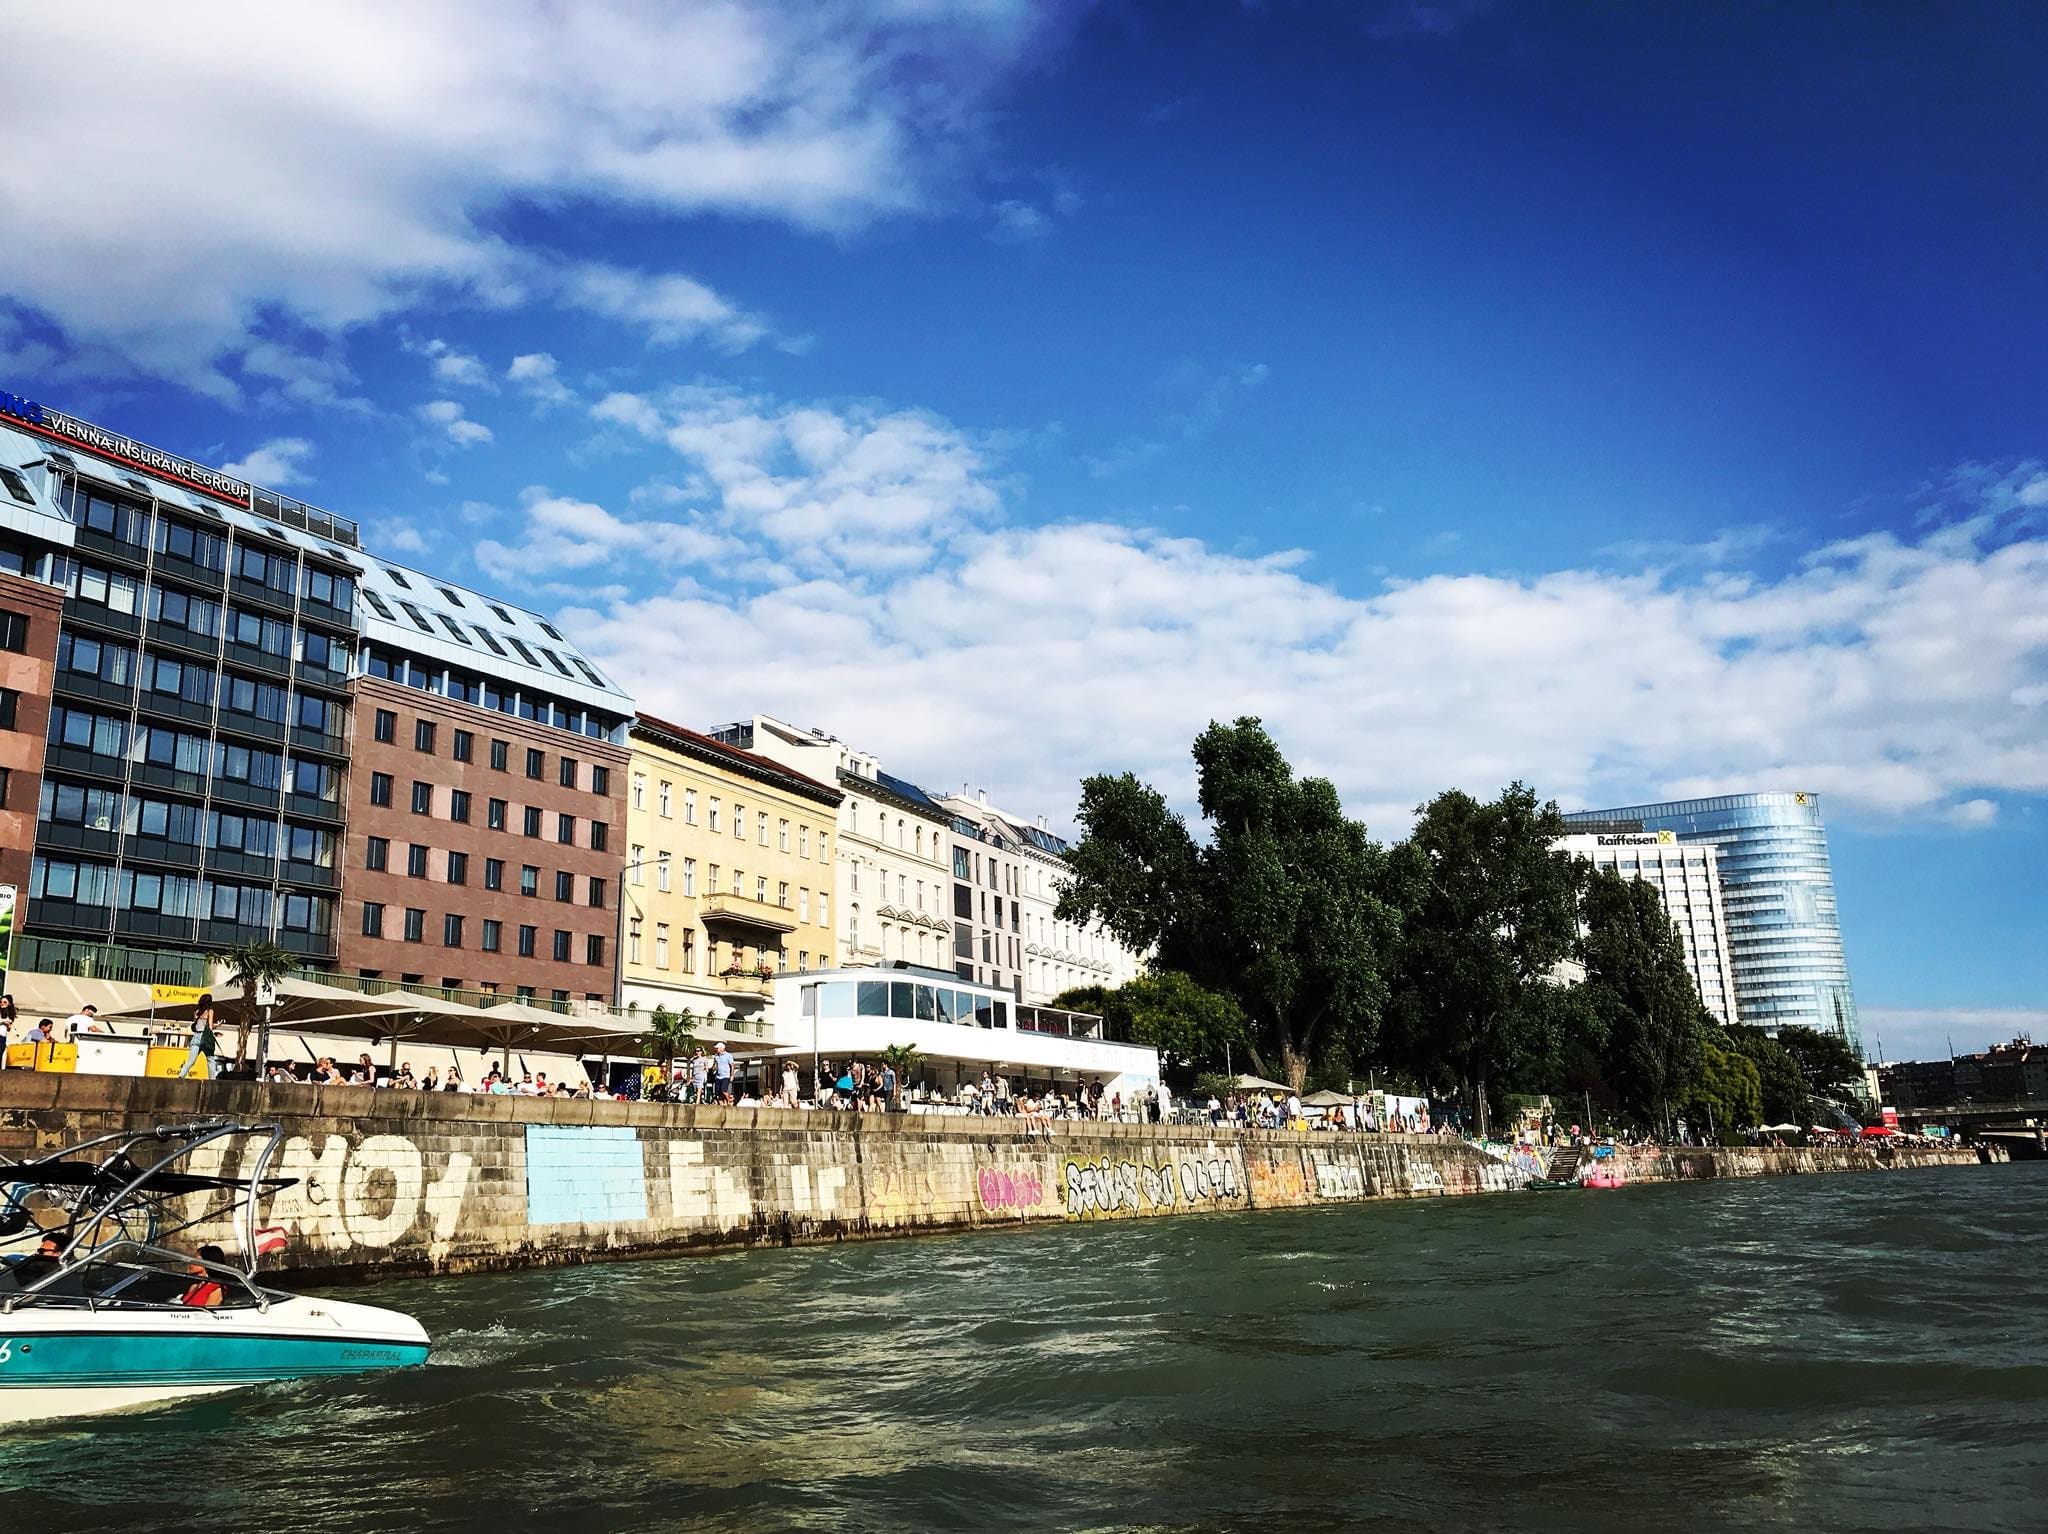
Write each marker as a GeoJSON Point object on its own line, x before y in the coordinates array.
{"type": "Point", "coordinates": [728, 877]}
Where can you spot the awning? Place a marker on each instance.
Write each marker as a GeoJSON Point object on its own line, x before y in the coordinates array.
{"type": "Point", "coordinates": [54, 996]}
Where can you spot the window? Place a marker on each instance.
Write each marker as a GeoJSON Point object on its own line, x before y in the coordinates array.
{"type": "Point", "coordinates": [376, 853]}
{"type": "Point", "coordinates": [387, 726]}
{"type": "Point", "coordinates": [422, 798]}
{"type": "Point", "coordinates": [465, 745]}
{"type": "Point", "coordinates": [596, 893]}
{"type": "Point", "coordinates": [803, 841]}
{"type": "Point", "coordinates": [451, 931]}
{"type": "Point", "coordinates": [380, 789]}
{"type": "Point", "coordinates": [633, 941]}
{"type": "Point", "coordinates": [823, 857]}
{"type": "Point", "coordinates": [600, 836]}
{"type": "Point", "coordinates": [415, 861]}
{"type": "Point", "coordinates": [761, 888]}
{"type": "Point", "coordinates": [565, 886]}
{"type": "Point", "coordinates": [423, 736]}
{"type": "Point", "coordinates": [739, 822]}
{"type": "Point", "coordinates": [495, 813]}
{"type": "Point", "coordinates": [661, 871]}
{"type": "Point", "coordinates": [568, 772]}
{"type": "Point", "coordinates": [636, 863]}
{"type": "Point", "coordinates": [739, 882]}
{"type": "Point", "coordinates": [565, 830]}
{"type": "Point", "coordinates": [823, 919]}
{"type": "Point", "coordinates": [689, 950]}
{"type": "Point", "coordinates": [689, 806]}
{"type": "Point", "coordinates": [639, 790]}
{"type": "Point", "coordinates": [13, 631]}
{"type": "Point", "coordinates": [458, 805]}
{"type": "Point", "coordinates": [494, 934]}
{"type": "Point", "coordinates": [532, 821]}
{"type": "Point", "coordinates": [782, 836]}
{"type": "Point", "coordinates": [373, 919]}
{"type": "Point", "coordinates": [711, 884]}
{"type": "Point", "coordinates": [415, 925]}
{"type": "Point", "coordinates": [16, 485]}
{"type": "Point", "coordinates": [712, 818]}
{"type": "Point", "coordinates": [761, 827]}
{"type": "Point", "coordinates": [500, 750]}
{"type": "Point", "coordinates": [494, 873]}
{"type": "Point", "coordinates": [689, 876]}
{"type": "Point", "coordinates": [600, 780]}
{"type": "Point", "coordinates": [782, 895]}
{"type": "Point", "coordinates": [536, 763]}
{"type": "Point", "coordinates": [526, 938]}
{"type": "Point", "coordinates": [803, 905]}
{"type": "Point", "coordinates": [529, 880]}
{"type": "Point", "coordinates": [661, 945]}
{"type": "Point", "coordinates": [963, 902]}
{"type": "Point", "coordinates": [561, 948]}
{"type": "Point", "coordinates": [458, 868]}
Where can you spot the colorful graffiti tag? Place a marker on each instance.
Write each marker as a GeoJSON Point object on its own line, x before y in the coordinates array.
{"type": "Point", "coordinates": [1019, 1190]}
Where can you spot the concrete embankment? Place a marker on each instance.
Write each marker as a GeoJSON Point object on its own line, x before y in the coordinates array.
{"type": "Point", "coordinates": [395, 1182]}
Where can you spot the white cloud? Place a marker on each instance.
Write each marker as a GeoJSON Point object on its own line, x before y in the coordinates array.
{"type": "Point", "coordinates": [324, 167]}
{"type": "Point", "coordinates": [1887, 673]}
{"type": "Point", "coordinates": [563, 536]}
{"type": "Point", "coordinates": [399, 538]}
{"type": "Point", "coordinates": [274, 464]}
{"type": "Point", "coordinates": [535, 375]}
{"type": "Point", "coordinates": [670, 309]}
{"type": "Point", "coordinates": [452, 366]}
{"type": "Point", "coordinates": [457, 427]}
{"type": "Point", "coordinates": [1018, 223]}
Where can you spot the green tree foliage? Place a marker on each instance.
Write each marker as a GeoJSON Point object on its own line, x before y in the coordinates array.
{"type": "Point", "coordinates": [1655, 1023]}
{"type": "Point", "coordinates": [1082, 998]}
{"type": "Point", "coordinates": [668, 1035]}
{"type": "Point", "coordinates": [1187, 1024]}
{"type": "Point", "coordinates": [1727, 1095]}
{"type": "Point", "coordinates": [1489, 910]}
{"type": "Point", "coordinates": [1779, 1077]}
{"type": "Point", "coordinates": [255, 967]}
{"type": "Point", "coordinates": [1826, 1061]}
{"type": "Point", "coordinates": [1281, 910]}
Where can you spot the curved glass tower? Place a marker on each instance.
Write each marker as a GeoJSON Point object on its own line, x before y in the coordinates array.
{"type": "Point", "coordinates": [1785, 940]}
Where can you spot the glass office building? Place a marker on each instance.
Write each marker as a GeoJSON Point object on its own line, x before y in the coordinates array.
{"type": "Point", "coordinates": [1784, 937]}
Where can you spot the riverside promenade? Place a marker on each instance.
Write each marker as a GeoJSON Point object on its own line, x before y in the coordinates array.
{"type": "Point", "coordinates": [398, 1183]}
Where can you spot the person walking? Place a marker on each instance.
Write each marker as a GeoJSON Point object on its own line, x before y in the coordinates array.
{"type": "Point", "coordinates": [204, 1040]}
{"type": "Point", "coordinates": [721, 1073]}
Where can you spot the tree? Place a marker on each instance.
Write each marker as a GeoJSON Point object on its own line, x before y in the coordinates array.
{"type": "Point", "coordinates": [901, 1057]}
{"type": "Point", "coordinates": [1188, 1024]}
{"type": "Point", "coordinates": [1779, 1078]}
{"type": "Point", "coordinates": [1656, 1024]}
{"type": "Point", "coordinates": [1727, 1095]}
{"type": "Point", "coordinates": [1082, 998]}
{"type": "Point", "coordinates": [1826, 1061]}
{"type": "Point", "coordinates": [1488, 911]}
{"type": "Point", "coordinates": [667, 1036]}
{"type": "Point", "coordinates": [1281, 910]}
{"type": "Point", "coordinates": [255, 967]}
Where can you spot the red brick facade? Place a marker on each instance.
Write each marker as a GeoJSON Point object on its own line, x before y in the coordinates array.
{"type": "Point", "coordinates": [427, 768]}
{"type": "Point", "coordinates": [25, 679]}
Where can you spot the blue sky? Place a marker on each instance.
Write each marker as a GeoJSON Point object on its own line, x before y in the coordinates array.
{"type": "Point", "coordinates": [1635, 400]}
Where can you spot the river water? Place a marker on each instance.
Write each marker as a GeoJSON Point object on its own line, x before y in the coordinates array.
{"type": "Point", "coordinates": [1838, 1353]}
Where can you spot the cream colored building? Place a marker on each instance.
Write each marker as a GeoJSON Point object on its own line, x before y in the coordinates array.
{"type": "Point", "coordinates": [892, 871]}
{"type": "Point", "coordinates": [729, 877]}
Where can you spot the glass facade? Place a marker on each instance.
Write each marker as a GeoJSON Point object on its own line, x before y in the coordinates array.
{"type": "Point", "coordinates": [1778, 892]}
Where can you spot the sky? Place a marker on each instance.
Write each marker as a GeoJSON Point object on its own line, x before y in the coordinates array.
{"type": "Point", "coordinates": [1636, 401]}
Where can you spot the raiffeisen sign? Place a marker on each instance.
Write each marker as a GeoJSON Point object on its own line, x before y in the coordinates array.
{"type": "Point", "coordinates": [72, 432]}
{"type": "Point", "coordinates": [1638, 839]}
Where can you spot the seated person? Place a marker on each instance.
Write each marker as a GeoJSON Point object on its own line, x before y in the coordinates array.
{"type": "Point", "coordinates": [40, 1264]}
{"type": "Point", "coordinates": [205, 1289]}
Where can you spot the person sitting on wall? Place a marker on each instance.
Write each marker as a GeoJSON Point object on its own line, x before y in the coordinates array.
{"type": "Point", "coordinates": [205, 1290]}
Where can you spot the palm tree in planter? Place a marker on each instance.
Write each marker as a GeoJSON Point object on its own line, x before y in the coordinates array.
{"type": "Point", "coordinates": [255, 967]}
{"type": "Point", "coordinates": [902, 1057]}
{"type": "Point", "coordinates": [668, 1035]}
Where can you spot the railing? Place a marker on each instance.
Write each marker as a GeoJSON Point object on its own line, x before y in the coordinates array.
{"type": "Point", "coordinates": [482, 1000]}
{"type": "Point", "coordinates": [759, 913]}
{"type": "Point", "coordinates": [107, 961]}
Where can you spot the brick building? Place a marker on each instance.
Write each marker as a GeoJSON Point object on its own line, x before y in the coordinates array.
{"type": "Point", "coordinates": [29, 615]}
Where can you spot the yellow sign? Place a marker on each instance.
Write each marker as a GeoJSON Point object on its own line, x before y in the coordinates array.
{"type": "Point", "coordinates": [175, 995]}
{"type": "Point", "coordinates": [169, 1060]}
{"type": "Point", "coordinates": [1667, 838]}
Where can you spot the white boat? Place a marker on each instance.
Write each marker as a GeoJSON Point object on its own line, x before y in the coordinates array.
{"type": "Point", "coordinates": [99, 1312]}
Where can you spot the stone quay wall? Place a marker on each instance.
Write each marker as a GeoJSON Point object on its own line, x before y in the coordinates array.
{"type": "Point", "coordinates": [394, 1182]}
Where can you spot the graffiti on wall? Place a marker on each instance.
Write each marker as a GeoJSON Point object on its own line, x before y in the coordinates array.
{"type": "Point", "coordinates": [1339, 1179]}
{"type": "Point", "coordinates": [1202, 1181]}
{"type": "Point", "coordinates": [375, 1193]}
{"type": "Point", "coordinates": [1001, 1190]}
{"type": "Point", "coordinates": [1108, 1187]}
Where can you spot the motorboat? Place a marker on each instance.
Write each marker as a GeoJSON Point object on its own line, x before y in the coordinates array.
{"type": "Point", "coordinates": [116, 1290]}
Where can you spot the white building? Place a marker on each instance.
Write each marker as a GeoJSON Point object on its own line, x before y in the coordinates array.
{"type": "Point", "coordinates": [890, 871]}
{"type": "Point", "coordinates": [959, 1029]}
{"type": "Point", "coordinates": [1007, 876]}
{"type": "Point", "coordinates": [1688, 876]}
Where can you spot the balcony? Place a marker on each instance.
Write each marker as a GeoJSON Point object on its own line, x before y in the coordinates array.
{"type": "Point", "coordinates": [256, 594]}
{"type": "Point", "coordinates": [254, 658]}
{"type": "Point", "coordinates": [92, 689]}
{"type": "Point", "coordinates": [307, 807]}
{"type": "Point", "coordinates": [107, 961]}
{"type": "Point", "coordinates": [744, 982]}
{"type": "Point", "coordinates": [92, 540]}
{"type": "Point", "coordinates": [173, 636]}
{"type": "Point", "coordinates": [739, 911]}
{"type": "Point", "coordinates": [202, 576]}
{"type": "Point", "coordinates": [100, 619]}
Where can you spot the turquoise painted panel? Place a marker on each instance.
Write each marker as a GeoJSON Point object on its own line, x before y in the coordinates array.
{"type": "Point", "coordinates": [59, 1358]}
{"type": "Point", "coordinates": [583, 1175]}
